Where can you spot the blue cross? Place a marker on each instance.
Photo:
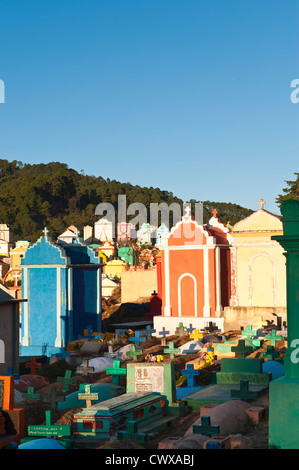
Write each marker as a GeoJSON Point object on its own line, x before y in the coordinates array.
{"type": "Point", "coordinates": [190, 373]}
{"type": "Point", "coordinates": [10, 373]}
{"type": "Point", "coordinates": [137, 338]}
{"type": "Point", "coordinates": [164, 332]}
{"type": "Point", "coordinates": [63, 354]}
{"type": "Point", "coordinates": [190, 329]}
{"type": "Point", "coordinates": [148, 331]}
{"type": "Point", "coordinates": [88, 337]}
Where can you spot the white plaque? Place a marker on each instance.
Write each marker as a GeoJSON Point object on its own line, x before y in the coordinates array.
{"type": "Point", "coordinates": [149, 379]}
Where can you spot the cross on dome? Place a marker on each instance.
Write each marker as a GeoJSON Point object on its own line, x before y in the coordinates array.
{"type": "Point", "coordinates": [45, 231]}
{"type": "Point", "coordinates": [262, 203]}
{"type": "Point", "coordinates": [214, 212]}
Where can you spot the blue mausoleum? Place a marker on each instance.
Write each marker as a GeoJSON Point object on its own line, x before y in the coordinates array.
{"type": "Point", "coordinates": [63, 284]}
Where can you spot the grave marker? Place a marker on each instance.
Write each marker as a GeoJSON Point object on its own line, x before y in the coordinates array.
{"type": "Point", "coordinates": [49, 429]}
{"type": "Point", "coordinates": [242, 350]}
{"type": "Point", "coordinates": [116, 371]}
{"type": "Point", "coordinates": [137, 338]}
{"type": "Point", "coordinates": [30, 395]}
{"type": "Point", "coordinates": [87, 335]}
{"type": "Point", "coordinates": [171, 350]}
{"type": "Point", "coordinates": [134, 353]}
{"type": "Point", "coordinates": [249, 332]}
{"type": "Point", "coordinates": [66, 381]}
{"type": "Point", "coordinates": [85, 369]}
{"type": "Point", "coordinates": [132, 433]}
{"type": "Point", "coordinates": [205, 427]}
{"type": "Point", "coordinates": [33, 366]}
{"type": "Point", "coordinates": [190, 373]}
{"type": "Point", "coordinates": [196, 335]}
{"type": "Point", "coordinates": [88, 396]}
{"type": "Point", "coordinates": [53, 398]}
{"type": "Point", "coordinates": [244, 393]}
{"type": "Point", "coordinates": [273, 337]}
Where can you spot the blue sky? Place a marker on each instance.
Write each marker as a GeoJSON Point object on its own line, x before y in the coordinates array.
{"type": "Point", "coordinates": [191, 96]}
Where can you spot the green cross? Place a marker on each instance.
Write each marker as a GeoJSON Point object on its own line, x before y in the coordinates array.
{"type": "Point", "coordinates": [116, 371]}
{"type": "Point", "coordinates": [271, 354]}
{"type": "Point", "coordinates": [171, 350]}
{"type": "Point", "coordinates": [241, 349]}
{"type": "Point", "coordinates": [244, 393]}
{"type": "Point", "coordinates": [273, 337]}
{"type": "Point", "coordinates": [134, 353]}
{"type": "Point", "coordinates": [66, 381]}
{"type": "Point", "coordinates": [53, 398]}
{"type": "Point", "coordinates": [48, 429]}
{"type": "Point", "coordinates": [205, 427]}
{"type": "Point", "coordinates": [249, 333]}
{"type": "Point", "coordinates": [30, 395]}
{"type": "Point", "coordinates": [131, 433]}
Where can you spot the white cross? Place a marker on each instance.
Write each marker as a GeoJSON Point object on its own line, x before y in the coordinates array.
{"type": "Point", "coordinates": [262, 203]}
{"type": "Point", "coordinates": [46, 231]}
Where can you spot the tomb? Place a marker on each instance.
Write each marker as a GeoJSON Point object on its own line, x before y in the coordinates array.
{"type": "Point", "coordinates": [258, 273]}
{"type": "Point", "coordinates": [12, 422]}
{"type": "Point", "coordinates": [62, 283]}
{"type": "Point", "coordinates": [193, 274]}
{"type": "Point", "coordinates": [228, 379]}
{"type": "Point", "coordinates": [149, 401]}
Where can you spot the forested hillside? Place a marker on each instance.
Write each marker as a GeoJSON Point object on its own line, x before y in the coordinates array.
{"type": "Point", "coordinates": [56, 196]}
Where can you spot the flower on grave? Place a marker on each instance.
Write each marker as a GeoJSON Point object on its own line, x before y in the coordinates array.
{"type": "Point", "coordinates": [130, 332]}
{"type": "Point", "coordinates": [152, 358]}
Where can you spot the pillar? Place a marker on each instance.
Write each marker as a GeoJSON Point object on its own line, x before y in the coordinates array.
{"type": "Point", "coordinates": [284, 392]}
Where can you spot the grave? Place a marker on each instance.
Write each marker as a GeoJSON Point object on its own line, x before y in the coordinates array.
{"type": "Point", "coordinates": [233, 371]}
{"type": "Point", "coordinates": [150, 401]}
{"type": "Point", "coordinates": [62, 282]}
{"type": "Point", "coordinates": [13, 425]}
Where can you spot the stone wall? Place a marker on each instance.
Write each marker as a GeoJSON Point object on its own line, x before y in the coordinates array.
{"type": "Point", "coordinates": [235, 317]}
{"type": "Point", "coordinates": [136, 284]}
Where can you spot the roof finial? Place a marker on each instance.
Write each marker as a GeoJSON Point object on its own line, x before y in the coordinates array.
{"type": "Point", "coordinates": [45, 231]}
{"type": "Point", "coordinates": [214, 212]}
{"type": "Point", "coordinates": [262, 203]}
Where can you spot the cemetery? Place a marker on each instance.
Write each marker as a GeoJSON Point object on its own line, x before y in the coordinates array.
{"type": "Point", "coordinates": [157, 373]}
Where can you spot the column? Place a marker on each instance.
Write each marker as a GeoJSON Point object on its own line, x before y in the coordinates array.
{"type": "Point", "coordinates": [59, 338]}
{"type": "Point", "coordinates": [218, 280]}
{"type": "Point", "coordinates": [167, 308]}
{"type": "Point", "coordinates": [207, 307]}
{"type": "Point", "coordinates": [26, 341]}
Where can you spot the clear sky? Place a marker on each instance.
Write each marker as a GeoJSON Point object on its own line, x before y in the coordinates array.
{"type": "Point", "coordinates": [191, 96]}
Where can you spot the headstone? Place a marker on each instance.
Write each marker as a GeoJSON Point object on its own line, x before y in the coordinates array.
{"type": "Point", "coordinates": [244, 393]}
{"type": "Point", "coordinates": [116, 371]}
{"type": "Point", "coordinates": [133, 353]}
{"type": "Point", "coordinates": [31, 395]}
{"type": "Point", "coordinates": [171, 350]}
{"type": "Point", "coordinates": [49, 429]}
{"type": "Point", "coordinates": [66, 381]}
{"type": "Point", "coordinates": [88, 396]}
{"type": "Point", "coordinates": [190, 373]}
{"type": "Point", "coordinates": [85, 368]}
{"type": "Point", "coordinates": [273, 337]}
{"type": "Point", "coordinates": [137, 338]}
{"type": "Point", "coordinates": [33, 366]}
{"type": "Point", "coordinates": [191, 347]}
{"type": "Point", "coordinates": [53, 398]}
{"type": "Point", "coordinates": [205, 427]}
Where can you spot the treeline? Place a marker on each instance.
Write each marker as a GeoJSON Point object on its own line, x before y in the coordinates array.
{"type": "Point", "coordinates": [56, 196]}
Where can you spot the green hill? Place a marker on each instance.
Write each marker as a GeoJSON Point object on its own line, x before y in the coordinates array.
{"type": "Point", "coordinates": [56, 196]}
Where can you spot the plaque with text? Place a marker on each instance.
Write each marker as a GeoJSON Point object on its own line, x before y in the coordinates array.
{"type": "Point", "coordinates": [149, 379]}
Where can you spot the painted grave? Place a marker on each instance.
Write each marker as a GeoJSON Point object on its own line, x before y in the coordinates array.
{"type": "Point", "coordinates": [12, 422]}
{"type": "Point", "coordinates": [149, 401]}
{"type": "Point", "coordinates": [62, 283]}
{"type": "Point", "coordinates": [233, 371]}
